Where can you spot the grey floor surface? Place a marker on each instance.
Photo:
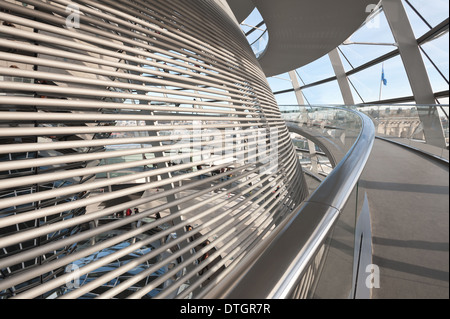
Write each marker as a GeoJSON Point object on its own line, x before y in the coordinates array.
{"type": "Point", "coordinates": [409, 202]}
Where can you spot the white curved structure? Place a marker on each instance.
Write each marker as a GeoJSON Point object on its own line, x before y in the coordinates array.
{"type": "Point", "coordinates": [303, 31]}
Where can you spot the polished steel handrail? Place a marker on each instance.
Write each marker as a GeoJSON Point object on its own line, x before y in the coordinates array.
{"type": "Point", "coordinates": [278, 270]}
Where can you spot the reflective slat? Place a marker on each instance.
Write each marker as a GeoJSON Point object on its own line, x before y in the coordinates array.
{"type": "Point", "coordinates": [155, 107]}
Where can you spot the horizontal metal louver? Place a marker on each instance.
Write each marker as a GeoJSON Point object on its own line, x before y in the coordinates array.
{"type": "Point", "coordinates": [158, 107]}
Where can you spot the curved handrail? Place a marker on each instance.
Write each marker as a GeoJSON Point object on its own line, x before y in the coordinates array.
{"type": "Point", "coordinates": [278, 270]}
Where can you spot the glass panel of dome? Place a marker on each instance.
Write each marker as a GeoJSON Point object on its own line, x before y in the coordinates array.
{"type": "Point", "coordinates": [434, 12]}
{"type": "Point", "coordinates": [317, 70]}
{"type": "Point", "coordinates": [437, 50]}
{"type": "Point", "coordinates": [345, 61]}
{"type": "Point", "coordinates": [372, 40]}
{"type": "Point", "coordinates": [443, 100]}
{"type": "Point", "coordinates": [376, 30]}
{"type": "Point", "coordinates": [369, 85]}
{"type": "Point", "coordinates": [280, 82]}
{"type": "Point", "coordinates": [324, 94]}
{"type": "Point", "coordinates": [251, 23]}
{"type": "Point", "coordinates": [437, 81]}
{"type": "Point", "coordinates": [254, 18]}
{"type": "Point", "coordinates": [256, 35]}
{"type": "Point", "coordinates": [356, 96]}
{"type": "Point", "coordinates": [286, 99]}
{"type": "Point", "coordinates": [359, 54]}
{"type": "Point", "coordinates": [418, 25]}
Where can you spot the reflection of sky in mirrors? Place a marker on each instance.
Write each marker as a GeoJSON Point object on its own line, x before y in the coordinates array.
{"type": "Point", "coordinates": [368, 82]}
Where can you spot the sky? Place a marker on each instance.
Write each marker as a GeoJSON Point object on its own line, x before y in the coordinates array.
{"type": "Point", "coordinates": [368, 82]}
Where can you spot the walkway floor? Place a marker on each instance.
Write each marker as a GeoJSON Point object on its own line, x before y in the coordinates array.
{"type": "Point", "coordinates": [409, 202]}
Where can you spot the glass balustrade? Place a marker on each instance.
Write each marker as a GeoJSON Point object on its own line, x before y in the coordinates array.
{"type": "Point", "coordinates": [323, 261]}
{"type": "Point", "coordinates": [408, 124]}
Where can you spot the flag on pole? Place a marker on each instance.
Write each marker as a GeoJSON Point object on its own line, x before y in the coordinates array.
{"type": "Point", "coordinates": [383, 81]}
{"type": "Point", "coordinates": [383, 78]}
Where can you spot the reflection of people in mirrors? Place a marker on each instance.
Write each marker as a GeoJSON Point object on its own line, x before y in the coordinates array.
{"type": "Point", "coordinates": [188, 229]}
{"type": "Point", "coordinates": [204, 257]}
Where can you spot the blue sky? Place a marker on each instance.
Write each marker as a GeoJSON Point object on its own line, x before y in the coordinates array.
{"type": "Point", "coordinates": [367, 82]}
